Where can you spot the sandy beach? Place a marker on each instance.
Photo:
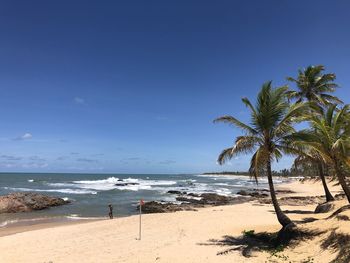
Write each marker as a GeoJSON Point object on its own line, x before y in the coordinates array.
{"type": "Point", "coordinates": [175, 131]}
{"type": "Point", "coordinates": [189, 236]}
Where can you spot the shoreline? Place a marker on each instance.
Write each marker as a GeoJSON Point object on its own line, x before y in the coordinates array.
{"type": "Point", "coordinates": [21, 226]}
{"type": "Point", "coordinates": [35, 223]}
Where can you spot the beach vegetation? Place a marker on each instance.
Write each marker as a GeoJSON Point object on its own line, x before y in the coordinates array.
{"type": "Point", "coordinates": [329, 136]}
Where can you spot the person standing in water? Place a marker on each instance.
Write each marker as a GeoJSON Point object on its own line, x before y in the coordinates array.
{"type": "Point", "coordinates": [110, 211]}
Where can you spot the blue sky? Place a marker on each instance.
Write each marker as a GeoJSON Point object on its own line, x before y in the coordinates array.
{"type": "Point", "coordinates": [133, 86]}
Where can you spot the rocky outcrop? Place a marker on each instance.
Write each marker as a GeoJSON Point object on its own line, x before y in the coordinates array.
{"type": "Point", "coordinates": [190, 201]}
{"type": "Point", "coordinates": [256, 194]}
{"type": "Point", "coordinates": [175, 192]}
{"type": "Point", "coordinates": [158, 207]}
{"type": "Point", "coordinates": [261, 193]}
{"type": "Point", "coordinates": [324, 208]}
{"type": "Point", "coordinates": [26, 202]}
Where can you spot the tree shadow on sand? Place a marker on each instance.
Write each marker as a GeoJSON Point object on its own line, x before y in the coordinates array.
{"type": "Point", "coordinates": [306, 220]}
{"type": "Point", "coordinates": [338, 242]}
{"type": "Point", "coordinates": [298, 211]}
{"type": "Point", "coordinates": [250, 241]}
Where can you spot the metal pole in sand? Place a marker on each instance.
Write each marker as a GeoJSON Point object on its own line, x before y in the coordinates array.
{"type": "Point", "coordinates": [141, 203]}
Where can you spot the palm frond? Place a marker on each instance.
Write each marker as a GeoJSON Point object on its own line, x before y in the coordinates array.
{"type": "Point", "coordinates": [235, 122]}
{"type": "Point", "coordinates": [225, 155]}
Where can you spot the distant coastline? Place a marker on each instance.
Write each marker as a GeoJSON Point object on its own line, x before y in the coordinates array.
{"type": "Point", "coordinates": [226, 173]}
{"type": "Point", "coordinates": [281, 173]}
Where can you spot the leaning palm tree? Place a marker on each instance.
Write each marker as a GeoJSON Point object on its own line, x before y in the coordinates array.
{"type": "Point", "coordinates": [314, 86]}
{"type": "Point", "coordinates": [329, 136]}
{"type": "Point", "coordinates": [271, 123]}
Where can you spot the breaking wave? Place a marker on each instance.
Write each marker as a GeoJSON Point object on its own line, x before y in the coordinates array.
{"type": "Point", "coordinates": [64, 191]}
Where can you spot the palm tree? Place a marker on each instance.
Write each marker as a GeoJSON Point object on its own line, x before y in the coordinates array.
{"type": "Point", "coordinates": [329, 136]}
{"type": "Point", "coordinates": [314, 86]}
{"type": "Point", "coordinates": [271, 123]}
{"type": "Point", "coordinates": [313, 159]}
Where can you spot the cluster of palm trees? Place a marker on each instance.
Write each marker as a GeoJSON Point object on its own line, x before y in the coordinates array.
{"type": "Point", "coordinates": [325, 143]}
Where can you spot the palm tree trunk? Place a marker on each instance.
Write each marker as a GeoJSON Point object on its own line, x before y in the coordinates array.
{"type": "Point", "coordinates": [283, 219]}
{"type": "Point", "coordinates": [342, 181]}
{"type": "Point", "coordinates": [328, 194]}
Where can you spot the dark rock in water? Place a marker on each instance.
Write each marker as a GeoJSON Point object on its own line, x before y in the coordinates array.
{"type": "Point", "coordinates": [243, 192]}
{"type": "Point", "coordinates": [324, 208]}
{"type": "Point", "coordinates": [156, 207]}
{"type": "Point", "coordinates": [176, 192]}
{"type": "Point", "coordinates": [215, 199]}
{"type": "Point", "coordinates": [205, 199]}
{"type": "Point", "coordinates": [125, 184]}
{"type": "Point", "coordinates": [191, 201]}
{"type": "Point", "coordinates": [258, 195]}
{"type": "Point", "coordinates": [26, 202]}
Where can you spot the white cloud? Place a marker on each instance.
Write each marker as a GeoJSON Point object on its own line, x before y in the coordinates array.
{"type": "Point", "coordinates": [25, 136]}
{"type": "Point", "coordinates": [79, 100]}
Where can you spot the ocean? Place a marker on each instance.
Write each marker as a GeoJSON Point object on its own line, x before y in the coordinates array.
{"type": "Point", "coordinates": [90, 194]}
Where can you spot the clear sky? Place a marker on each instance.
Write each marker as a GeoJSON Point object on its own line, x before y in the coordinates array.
{"type": "Point", "coordinates": [133, 86]}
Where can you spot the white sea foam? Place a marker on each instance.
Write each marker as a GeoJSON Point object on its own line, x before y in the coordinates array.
{"type": "Point", "coordinates": [14, 221]}
{"type": "Point", "coordinates": [109, 180]}
{"type": "Point", "coordinates": [127, 184]}
{"type": "Point", "coordinates": [78, 217]}
{"type": "Point", "coordinates": [188, 180]}
{"type": "Point", "coordinates": [3, 224]}
{"type": "Point", "coordinates": [31, 180]}
{"type": "Point", "coordinates": [133, 187]}
{"type": "Point", "coordinates": [223, 191]}
{"type": "Point", "coordinates": [64, 191]}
